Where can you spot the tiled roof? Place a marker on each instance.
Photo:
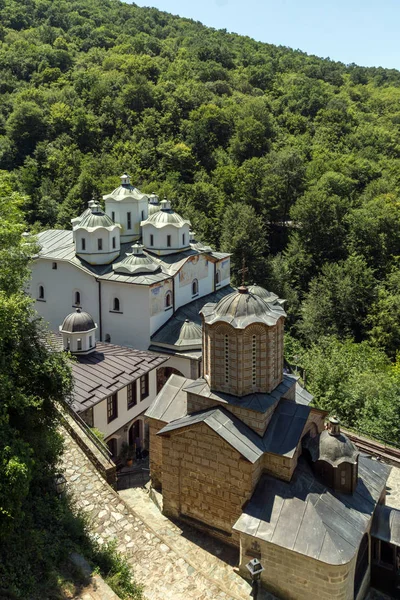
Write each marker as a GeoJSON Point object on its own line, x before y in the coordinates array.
{"type": "Point", "coordinates": [107, 370]}
{"type": "Point", "coordinates": [307, 517]}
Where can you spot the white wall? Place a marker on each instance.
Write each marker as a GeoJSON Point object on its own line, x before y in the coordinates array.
{"type": "Point", "coordinates": [121, 208]}
{"type": "Point", "coordinates": [183, 294]}
{"type": "Point", "coordinates": [130, 327]}
{"type": "Point", "coordinates": [59, 286]}
{"type": "Point", "coordinates": [125, 416]}
{"type": "Point", "coordinates": [180, 363]}
{"type": "Point", "coordinates": [160, 238]}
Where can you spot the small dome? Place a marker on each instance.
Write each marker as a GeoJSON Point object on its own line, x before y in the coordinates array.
{"type": "Point", "coordinates": [137, 262]}
{"type": "Point", "coordinates": [332, 446]}
{"type": "Point", "coordinates": [125, 190]}
{"type": "Point", "coordinates": [96, 218]}
{"type": "Point", "coordinates": [78, 321]}
{"type": "Point", "coordinates": [154, 205]}
{"type": "Point", "coordinates": [257, 290]}
{"type": "Point", "coordinates": [165, 216]}
{"type": "Point", "coordinates": [241, 308]}
{"type": "Point", "coordinates": [190, 332]}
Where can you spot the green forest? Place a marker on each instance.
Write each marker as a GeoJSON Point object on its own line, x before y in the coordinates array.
{"type": "Point", "coordinates": [289, 160]}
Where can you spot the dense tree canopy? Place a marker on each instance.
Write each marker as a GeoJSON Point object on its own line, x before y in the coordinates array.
{"type": "Point", "coordinates": [288, 159]}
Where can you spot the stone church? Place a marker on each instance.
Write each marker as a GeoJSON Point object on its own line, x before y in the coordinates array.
{"type": "Point", "coordinates": [240, 454]}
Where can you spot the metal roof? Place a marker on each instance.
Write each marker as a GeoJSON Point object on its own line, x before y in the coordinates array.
{"type": "Point", "coordinates": [124, 192]}
{"type": "Point", "coordinates": [284, 431]}
{"type": "Point", "coordinates": [257, 290]}
{"type": "Point", "coordinates": [191, 311]}
{"type": "Point", "coordinates": [171, 402]}
{"type": "Point", "coordinates": [106, 370]}
{"type": "Point", "coordinates": [57, 244]}
{"type": "Point", "coordinates": [228, 427]}
{"type": "Point", "coordinates": [257, 401]}
{"type": "Point", "coordinates": [78, 321]}
{"type": "Point", "coordinates": [386, 524]}
{"type": "Point", "coordinates": [306, 517]}
{"type": "Point", "coordinates": [163, 217]}
{"type": "Point", "coordinates": [334, 449]}
{"type": "Point", "coordinates": [241, 308]}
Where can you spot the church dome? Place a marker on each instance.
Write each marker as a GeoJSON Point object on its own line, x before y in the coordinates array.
{"type": "Point", "coordinates": [137, 262]}
{"type": "Point", "coordinates": [333, 449]}
{"type": "Point", "coordinates": [166, 216]}
{"type": "Point", "coordinates": [96, 218]}
{"type": "Point", "coordinates": [241, 308]}
{"type": "Point", "coordinates": [154, 205]}
{"type": "Point", "coordinates": [190, 332]}
{"type": "Point", "coordinates": [78, 321]}
{"type": "Point", "coordinates": [257, 290]}
{"type": "Point", "coordinates": [124, 191]}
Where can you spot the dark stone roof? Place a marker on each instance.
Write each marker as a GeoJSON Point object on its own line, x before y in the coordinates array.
{"type": "Point", "coordinates": [386, 525]}
{"type": "Point", "coordinates": [306, 517]}
{"type": "Point", "coordinates": [257, 401]}
{"type": "Point", "coordinates": [78, 321]}
{"type": "Point", "coordinates": [333, 449]}
{"type": "Point", "coordinates": [171, 402]}
{"type": "Point", "coordinates": [228, 427]}
{"type": "Point", "coordinates": [241, 308]}
{"type": "Point", "coordinates": [108, 369]}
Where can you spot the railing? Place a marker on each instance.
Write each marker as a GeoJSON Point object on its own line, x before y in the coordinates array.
{"type": "Point", "coordinates": [101, 446]}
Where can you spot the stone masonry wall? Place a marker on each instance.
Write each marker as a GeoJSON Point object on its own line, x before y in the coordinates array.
{"type": "Point", "coordinates": [256, 420]}
{"type": "Point", "coordinates": [205, 479]}
{"type": "Point", "coordinates": [155, 453]}
{"type": "Point", "coordinates": [293, 576]}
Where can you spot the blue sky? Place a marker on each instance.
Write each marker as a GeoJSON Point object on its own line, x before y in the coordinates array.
{"type": "Point", "coordinates": [365, 32]}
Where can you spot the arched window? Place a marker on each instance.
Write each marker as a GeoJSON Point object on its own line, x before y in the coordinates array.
{"type": "Point", "coordinates": [107, 339]}
{"type": "Point", "coordinates": [195, 287]}
{"type": "Point", "coordinates": [77, 298]}
{"type": "Point", "coordinates": [116, 304]}
{"type": "Point", "coordinates": [41, 292]}
{"type": "Point", "coordinates": [168, 299]}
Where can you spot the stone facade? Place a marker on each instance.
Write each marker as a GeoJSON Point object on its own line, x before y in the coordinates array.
{"type": "Point", "coordinates": [156, 457]}
{"type": "Point", "coordinates": [243, 361]}
{"type": "Point", "coordinates": [293, 576]}
{"type": "Point", "coordinates": [206, 480]}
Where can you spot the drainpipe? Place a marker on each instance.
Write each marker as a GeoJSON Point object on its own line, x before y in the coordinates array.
{"type": "Point", "coordinates": [173, 294]}
{"type": "Point", "coordinates": [100, 320]}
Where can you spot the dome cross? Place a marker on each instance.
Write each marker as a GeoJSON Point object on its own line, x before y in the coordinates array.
{"type": "Point", "coordinates": [243, 272]}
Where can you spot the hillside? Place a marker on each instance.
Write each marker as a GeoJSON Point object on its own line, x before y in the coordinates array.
{"type": "Point", "coordinates": [290, 160]}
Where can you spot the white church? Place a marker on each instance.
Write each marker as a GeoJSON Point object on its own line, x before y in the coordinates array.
{"type": "Point", "coordinates": [139, 272]}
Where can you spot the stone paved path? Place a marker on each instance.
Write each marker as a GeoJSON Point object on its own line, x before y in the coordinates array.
{"type": "Point", "coordinates": [164, 572]}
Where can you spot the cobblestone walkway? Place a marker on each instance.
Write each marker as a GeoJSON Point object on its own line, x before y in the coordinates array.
{"type": "Point", "coordinates": [165, 572]}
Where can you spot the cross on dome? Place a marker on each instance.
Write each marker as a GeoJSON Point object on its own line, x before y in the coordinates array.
{"type": "Point", "coordinates": [243, 271]}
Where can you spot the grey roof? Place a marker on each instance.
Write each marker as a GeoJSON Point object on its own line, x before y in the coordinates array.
{"type": "Point", "coordinates": [257, 290]}
{"type": "Point", "coordinates": [106, 370]}
{"type": "Point", "coordinates": [386, 524]}
{"type": "Point", "coordinates": [123, 192]}
{"type": "Point", "coordinates": [285, 428]}
{"type": "Point", "coordinates": [183, 334]}
{"type": "Point", "coordinates": [257, 401]}
{"type": "Point", "coordinates": [96, 218]}
{"type": "Point", "coordinates": [306, 517]}
{"type": "Point", "coordinates": [170, 403]}
{"type": "Point", "coordinates": [228, 427]}
{"type": "Point", "coordinates": [241, 308]}
{"type": "Point", "coordinates": [303, 396]}
{"type": "Point", "coordinates": [333, 449]}
{"type": "Point", "coordinates": [163, 217]}
{"type": "Point", "coordinates": [169, 333]}
{"type": "Point", "coordinates": [136, 262]}
{"type": "Point", "coordinates": [78, 321]}
{"type": "Point", "coordinates": [58, 245]}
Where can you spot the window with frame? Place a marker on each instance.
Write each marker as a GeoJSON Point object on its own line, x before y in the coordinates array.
{"type": "Point", "coordinates": [142, 215]}
{"type": "Point", "coordinates": [113, 216]}
{"type": "Point", "coordinates": [54, 266]}
{"type": "Point", "coordinates": [99, 244]}
{"type": "Point", "coordinates": [183, 239]}
{"type": "Point", "coordinates": [41, 292]}
{"type": "Point", "coordinates": [79, 344]}
{"type": "Point", "coordinates": [114, 243]}
{"type": "Point", "coordinates": [195, 287]}
{"type": "Point", "coordinates": [77, 298]}
{"type": "Point", "coordinates": [132, 394]}
{"type": "Point", "coordinates": [144, 386]}
{"type": "Point", "coordinates": [116, 305]}
{"type": "Point", "coordinates": [112, 408]}
{"type": "Point", "coordinates": [151, 239]}
{"type": "Point", "coordinates": [83, 244]}
{"type": "Point", "coordinates": [168, 241]}
{"type": "Point", "coordinates": [128, 220]}
{"type": "Point", "coordinates": [168, 299]}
